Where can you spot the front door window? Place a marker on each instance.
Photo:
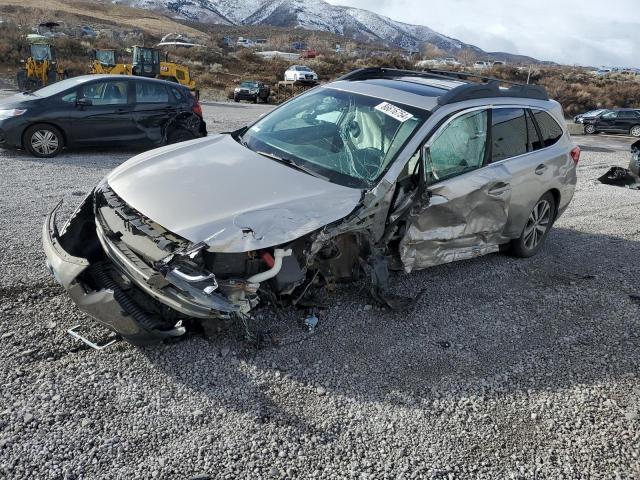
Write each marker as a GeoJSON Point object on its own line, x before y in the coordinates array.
{"type": "Point", "coordinates": [459, 148]}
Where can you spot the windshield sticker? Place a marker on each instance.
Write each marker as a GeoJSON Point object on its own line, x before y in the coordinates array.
{"type": "Point", "coordinates": [393, 111]}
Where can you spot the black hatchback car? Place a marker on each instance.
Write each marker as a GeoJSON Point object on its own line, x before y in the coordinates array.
{"type": "Point", "coordinates": [625, 120]}
{"type": "Point", "coordinates": [100, 110]}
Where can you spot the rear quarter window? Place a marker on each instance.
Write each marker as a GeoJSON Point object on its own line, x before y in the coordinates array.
{"type": "Point", "coordinates": [549, 129]}
{"type": "Point", "coordinates": [178, 94]}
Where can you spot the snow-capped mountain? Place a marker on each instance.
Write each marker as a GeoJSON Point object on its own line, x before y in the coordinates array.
{"type": "Point", "coordinates": [309, 14]}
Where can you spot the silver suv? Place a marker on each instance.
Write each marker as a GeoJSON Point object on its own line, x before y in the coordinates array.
{"type": "Point", "coordinates": [379, 170]}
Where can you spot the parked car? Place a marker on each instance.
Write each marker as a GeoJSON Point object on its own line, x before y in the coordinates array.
{"type": "Point", "coordinates": [300, 73]}
{"type": "Point", "coordinates": [338, 182]}
{"type": "Point", "coordinates": [625, 120]}
{"type": "Point", "coordinates": [97, 110]}
{"type": "Point", "coordinates": [590, 114]}
{"type": "Point", "coordinates": [245, 42]}
{"type": "Point", "coordinates": [251, 90]}
{"type": "Point", "coordinates": [87, 32]}
{"type": "Point", "coordinates": [480, 65]}
{"type": "Point", "coordinates": [309, 53]}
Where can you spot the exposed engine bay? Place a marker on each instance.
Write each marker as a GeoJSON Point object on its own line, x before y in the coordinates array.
{"type": "Point", "coordinates": [164, 283]}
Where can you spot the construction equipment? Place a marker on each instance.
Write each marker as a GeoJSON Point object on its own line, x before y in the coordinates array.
{"type": "Point", "coordinates": [145, 63]}
{"type": "Point", "coordinates": [106, 61]}
{"type": "Point", "coordinates": [40, 68]}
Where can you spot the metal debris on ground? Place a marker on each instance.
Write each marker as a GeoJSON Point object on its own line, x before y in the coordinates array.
{"type": "Point", "coordinates": [620, 177]}
{"type": "Point", "coordinates": [311, 322]}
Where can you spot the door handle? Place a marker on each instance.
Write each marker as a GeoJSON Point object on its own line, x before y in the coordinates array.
{"type": "Point", "coordinates": [122, 110]}
{"type": "Point", "coordinates": [499, 188]}
{"type": "Point", "coordinates": [540, 169]}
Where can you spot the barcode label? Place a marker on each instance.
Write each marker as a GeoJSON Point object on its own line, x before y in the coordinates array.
{"type": "Point", "coordinates": [394, 112]}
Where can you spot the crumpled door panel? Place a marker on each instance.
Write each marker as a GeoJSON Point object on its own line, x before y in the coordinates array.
{"type": "Point", "coordinates": [465, 218]}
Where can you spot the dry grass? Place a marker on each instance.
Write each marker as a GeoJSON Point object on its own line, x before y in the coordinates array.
{"type": "Point", "coordinates": [34, 11]}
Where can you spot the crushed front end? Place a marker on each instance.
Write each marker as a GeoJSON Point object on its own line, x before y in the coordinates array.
{"type": "Point", "coordinates": [145, 283]}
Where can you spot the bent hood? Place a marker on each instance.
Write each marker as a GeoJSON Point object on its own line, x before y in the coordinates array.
{"type": "Point", "coordinates": [214, 190]}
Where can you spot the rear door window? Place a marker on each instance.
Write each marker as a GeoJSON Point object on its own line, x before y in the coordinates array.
{"type": "Point", "coordinates": [549, 129]}
{"type": "Point", "coordinates": [508, 133]}
{"type": "Point", "coordinates": [151, 92]}
{"type": "Point", "coordinates": [628, 114]}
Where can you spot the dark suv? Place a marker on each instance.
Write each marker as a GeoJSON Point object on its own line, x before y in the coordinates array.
{"type": "Point", "coordinates": [625, 120]}
{"type": "Point", "coordinates": [100, 110]}
{"type": "Point", "coordinates": [252, 90]}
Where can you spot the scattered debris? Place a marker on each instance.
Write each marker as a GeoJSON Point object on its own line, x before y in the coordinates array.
{"type": "Point", "coordinates": [620, 177]}
{"type": "Point", "coordinates": [311, 322]}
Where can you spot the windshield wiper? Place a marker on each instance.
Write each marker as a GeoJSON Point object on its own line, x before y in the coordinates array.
{"type": "Point", "coordinates": [293, 164]}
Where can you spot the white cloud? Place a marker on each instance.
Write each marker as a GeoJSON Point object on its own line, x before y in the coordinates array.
{"type": "Point", "coordinates": [585, 32]}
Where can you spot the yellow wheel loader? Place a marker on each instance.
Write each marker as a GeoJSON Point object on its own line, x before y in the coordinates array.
{"type": "Point", "coordinates": [104, 61]}
{"type": "Point", "coordinates": [40, 68]}
{"type": "Point", "coordinates": [145, 63]}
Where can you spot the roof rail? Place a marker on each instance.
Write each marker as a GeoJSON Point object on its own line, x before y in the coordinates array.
{"type": "Point", "coordinates": [381, 72]}
{"type": "Point", "coordinates": [465, 76]}
{"type": "Point", "coordinates": [468, 91]}
{"type": "Point", "coordinates": [472, 91]}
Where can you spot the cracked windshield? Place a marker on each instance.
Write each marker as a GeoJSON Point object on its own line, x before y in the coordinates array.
{"type": "Point", "coordinates": [344, 137]}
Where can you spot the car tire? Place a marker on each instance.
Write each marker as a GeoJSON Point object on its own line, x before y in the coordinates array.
{"type": "Point", "coordinates": [43, 141]}
{"type": "Point", "coordinates": [236, 99]}
{"type": "Point", "coordinates": [537, 228]}
{"type": "Point", "coordinates": [589, 129]}
{"type": "Point", "coordinates": [635, 131]}
{"type": "Point", "coordinates": [180, 135]}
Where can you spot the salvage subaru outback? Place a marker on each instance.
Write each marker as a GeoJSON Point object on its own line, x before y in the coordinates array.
{"type": "Point", "coordinates": [380, 169]}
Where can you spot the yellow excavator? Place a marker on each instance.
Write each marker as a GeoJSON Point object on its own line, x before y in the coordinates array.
{"type": "Point", "coordinates": [40, 68]}
{"type": "Point", "coordinates": [145, 63]}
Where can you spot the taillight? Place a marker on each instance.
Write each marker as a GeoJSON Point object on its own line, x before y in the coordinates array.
{"type": "Point", "coordinates": [197, 109]}
{"type": "Point", "coordinates": [575, 155]}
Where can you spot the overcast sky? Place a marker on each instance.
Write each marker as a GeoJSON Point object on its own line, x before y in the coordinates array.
{"type": "Point", "coordinates": [585, 32]}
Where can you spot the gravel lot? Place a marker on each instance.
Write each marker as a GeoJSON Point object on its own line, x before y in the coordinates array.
{"type": "Point", "coordinates": [506, 368]}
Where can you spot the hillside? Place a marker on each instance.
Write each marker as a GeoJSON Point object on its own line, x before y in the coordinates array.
{"type": "Point", "coordinates": [318, 15]}
{"type": "Point", "coordinates": [92, 12]}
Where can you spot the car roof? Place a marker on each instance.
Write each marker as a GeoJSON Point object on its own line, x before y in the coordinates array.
{"type": "Point", "coordinates": [430, 89]}
{"type": "Point", "coordinates": [87, 78]}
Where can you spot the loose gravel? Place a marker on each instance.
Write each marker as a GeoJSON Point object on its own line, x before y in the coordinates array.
{"type": "Point", "coordinates": [505, 368]}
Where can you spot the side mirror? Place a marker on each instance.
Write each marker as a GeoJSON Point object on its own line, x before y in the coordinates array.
{"type": "Point", "coordinates": [84, 102]}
